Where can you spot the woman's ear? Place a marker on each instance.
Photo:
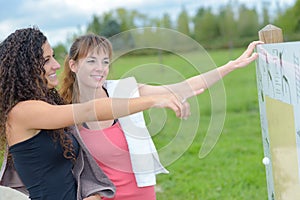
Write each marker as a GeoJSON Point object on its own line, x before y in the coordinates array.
{"type": "Point", "coordinates": [73, 66]}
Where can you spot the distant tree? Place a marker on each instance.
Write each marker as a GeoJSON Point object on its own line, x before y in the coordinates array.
{"type": "Point", "coordinates": [98, 22]}
{"type": "Point", "coordinates": [133, 16]}
{"type": "Point", "coordinates": [128, 18]}
{"type": "Point", "coordinates": [197, 20]}
{"type": "Point", "coordinates": [155, 22]}
{"type": "Point", "coordinates": [166, 21]}
{"type": "Point", "coordinates": [183, 22]}
{"type": "Point", "coordinates": [289, 20]}
{"type": "Point", "coordinates": [107, 16]}
{"type": "Point", "coordinates": [123, 18]}
{"type": "Point", "coordinates": [205, 26]}
{"type": "Point", "coordinates": [248, 22]}
{"type": "Point", "coordinates": [227, 23]}
{"type": "Point", "coordinates": [95, 25]}
{"type": "Point", "coordinates": [60, 52]}
{"type": "Point", "coordinates": [219, 29]}
{"type": "Point", "coordinates": [142, 20]}
{"type": "Point", "coordinates": [110, 28]}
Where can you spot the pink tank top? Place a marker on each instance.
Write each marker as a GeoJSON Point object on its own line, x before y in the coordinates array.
{"type": "Point", "coordinates": [110, 150]}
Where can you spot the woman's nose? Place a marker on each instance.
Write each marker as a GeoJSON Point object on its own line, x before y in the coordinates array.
{"type": "Point", "coordinates": [55, 65]}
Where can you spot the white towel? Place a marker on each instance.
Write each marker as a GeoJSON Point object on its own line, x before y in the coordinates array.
{"type": "Point", "coordinates": [143, 154]}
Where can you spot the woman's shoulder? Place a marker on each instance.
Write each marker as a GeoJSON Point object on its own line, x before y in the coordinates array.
{"type": "Point", "coordinates": [30, 103]}
{"type": "Point", "coordinates": [24, 107]}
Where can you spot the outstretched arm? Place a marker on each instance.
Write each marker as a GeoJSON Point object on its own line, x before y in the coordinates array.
{"type": "Point", "coordinates": [38, 115]}
{"type": "Point", "coordinates": [28, 117]}
{"type": "Point", "coordinates": [193, 85]}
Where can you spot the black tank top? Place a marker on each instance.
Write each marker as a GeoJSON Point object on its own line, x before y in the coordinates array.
{"type": "Point", "coordinates": [44, 170]}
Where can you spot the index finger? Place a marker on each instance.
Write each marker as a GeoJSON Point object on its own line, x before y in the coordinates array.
{"type": "Point", "coordinates": [251, 47]}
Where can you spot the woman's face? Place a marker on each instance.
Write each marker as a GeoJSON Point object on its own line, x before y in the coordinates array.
{"type": "Point", "coordinates": [93, 69]}
{"type": "Point", "coordinates": [51, 66]}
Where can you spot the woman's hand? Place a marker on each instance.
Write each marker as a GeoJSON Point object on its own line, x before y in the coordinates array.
{"type": "Point", "coordinates": [175, 102]}
{"type": "Point", "coordinates": [247, 57]}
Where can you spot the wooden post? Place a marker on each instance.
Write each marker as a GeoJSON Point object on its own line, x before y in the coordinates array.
{"type": "Point", "coordinates": [270, 34]}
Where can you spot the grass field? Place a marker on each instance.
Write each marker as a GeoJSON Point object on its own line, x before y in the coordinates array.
{"type": "Point", "coordinates": [233, 169]}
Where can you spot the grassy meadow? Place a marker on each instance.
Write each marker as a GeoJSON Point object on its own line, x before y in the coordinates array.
{"type": "Point", "coordinates": [233, 169]}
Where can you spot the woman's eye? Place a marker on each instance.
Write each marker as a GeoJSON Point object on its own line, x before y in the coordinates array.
{"type": "Point", "coordinates": [105, 62]}
{"type": "Point", "coordinates": [91, 61]}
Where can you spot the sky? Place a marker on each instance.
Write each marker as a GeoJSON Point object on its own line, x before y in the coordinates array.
{"type": "Point", "coordinates": [59, 19]}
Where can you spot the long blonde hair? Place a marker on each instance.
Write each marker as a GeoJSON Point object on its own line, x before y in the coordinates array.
{"type": "Point", "coordinates": [80, 48]}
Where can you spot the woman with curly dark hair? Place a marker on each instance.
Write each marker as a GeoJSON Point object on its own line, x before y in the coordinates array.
{"type": "Point", "coordinates": [36, 129]}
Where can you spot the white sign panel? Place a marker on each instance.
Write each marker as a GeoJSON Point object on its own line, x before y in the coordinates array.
{"type": "Point", "coordinates": [278, 81]}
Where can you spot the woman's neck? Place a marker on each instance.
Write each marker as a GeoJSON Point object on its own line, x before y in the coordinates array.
{"type": "Point", "coordinates": [87, 94]}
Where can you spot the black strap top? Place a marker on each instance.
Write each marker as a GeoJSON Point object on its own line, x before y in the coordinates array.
{"type": "Point", "coordinates": [42, 167]}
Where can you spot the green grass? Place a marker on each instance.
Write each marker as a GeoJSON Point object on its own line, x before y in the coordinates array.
{"type": "Point", "coordinates": [233, 169]}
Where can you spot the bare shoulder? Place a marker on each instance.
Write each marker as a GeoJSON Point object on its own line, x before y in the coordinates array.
{"type": "Point", "coordinates": [24, 108]}
{"type": "Point", "coordinates": [30, 104]}
{"type": "Point", "coordinates": [26, 114]}
{"type": "Point", "coordinates": [27, 118]}
{"type": "Point", "coordinates": [36, 115]}
{"type": "Point", "coordinates": [17, 128]}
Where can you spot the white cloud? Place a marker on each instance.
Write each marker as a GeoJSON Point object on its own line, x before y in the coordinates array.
{"type": "Point", "coordinates": [10, 25]}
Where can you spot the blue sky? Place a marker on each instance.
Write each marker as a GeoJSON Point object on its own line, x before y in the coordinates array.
{"type": "Point", "coordinates": [60, 18]}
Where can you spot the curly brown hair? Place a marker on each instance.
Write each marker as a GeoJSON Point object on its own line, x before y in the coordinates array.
{"type": "Point", "coordinates": [80, 48]}
{"type": "Point", "coordinates": [22, 78]}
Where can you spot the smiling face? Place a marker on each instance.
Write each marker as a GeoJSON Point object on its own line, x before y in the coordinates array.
{"type": "Point", "coordinates": [51, 66]}
{"type": "Point", "coordinates": [92, 70]}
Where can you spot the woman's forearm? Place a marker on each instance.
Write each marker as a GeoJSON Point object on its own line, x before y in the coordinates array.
{"type": "Point", "coordinates": [209, 78]}
{"type": "Point", "coordinates": [113, 108]}
{"type": "Point", "coordinates": [190, 86]}
{"type": "Point", "coordinates": [110, 108]}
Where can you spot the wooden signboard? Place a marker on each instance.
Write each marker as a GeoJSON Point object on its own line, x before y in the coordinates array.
{"type": "Point", "coordinates": [278, 81]}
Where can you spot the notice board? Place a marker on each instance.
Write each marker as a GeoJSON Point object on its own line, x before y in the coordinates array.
{"type": "Point", "coordinates": [278, 84]}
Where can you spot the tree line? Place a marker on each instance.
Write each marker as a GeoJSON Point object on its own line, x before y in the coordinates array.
{"type": "Point", "coordinates": [234, 25]}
